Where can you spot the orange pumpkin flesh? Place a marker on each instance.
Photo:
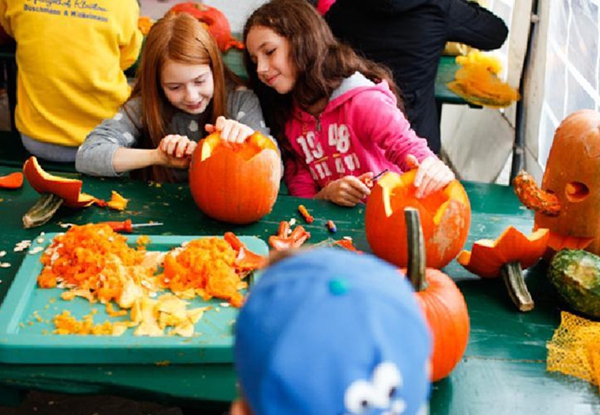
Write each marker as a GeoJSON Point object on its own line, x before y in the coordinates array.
{"type": "Point", "coordinates": [445, 218]}
{"type": "Point", "coordinates": [12, 180]}
{"type": "Point", "coordinates": [442, 302]}
{"type": "Point", "coordinates": [235, 183]}
{"type": "Point", "coordinates": [67, 189]}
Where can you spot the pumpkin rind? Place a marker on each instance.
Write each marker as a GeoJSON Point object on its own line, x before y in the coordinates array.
{"type": "Point", "coordinates": [576, 276]}
{"type": "Point", "coordinates": [445, 218]}
{"type": "Point", "coordinates": [235, 183]}
{"type": "Point", "coordinates": [67, 189]}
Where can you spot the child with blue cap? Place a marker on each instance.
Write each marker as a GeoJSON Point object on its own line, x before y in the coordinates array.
{"type": "Point", "coordinates": [330, 332]}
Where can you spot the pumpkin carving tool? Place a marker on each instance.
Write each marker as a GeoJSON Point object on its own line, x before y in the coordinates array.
{"type": "Point", "coordinates": [127, 226]}
{"type": "Point", "coordinates": [369, 182]}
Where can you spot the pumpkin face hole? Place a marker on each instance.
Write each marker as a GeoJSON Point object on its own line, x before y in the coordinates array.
{"type": "Point", "coordinates": [435, 204]}
{"type": "Point", "coordinates": [576, 192]}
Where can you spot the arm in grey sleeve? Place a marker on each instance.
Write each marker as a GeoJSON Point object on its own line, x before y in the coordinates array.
{"type": "Point", "coordinates": [243, 106]}
{"type": "Point", "coordinates": [95, 155]}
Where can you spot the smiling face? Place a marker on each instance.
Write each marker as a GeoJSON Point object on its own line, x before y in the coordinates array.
{"type": "Point", "coordinates": [188, 87]}
{"type": "Point", "coordinates": [272, 55]}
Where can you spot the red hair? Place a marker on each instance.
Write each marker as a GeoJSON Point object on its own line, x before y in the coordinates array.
{"type": "Point", "coordinates": [181, 38]}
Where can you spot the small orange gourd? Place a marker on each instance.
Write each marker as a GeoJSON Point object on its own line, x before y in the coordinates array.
{"type": "Point", "coordinates": [445, 218]}
{"type": "Point", "coordinates": [235, 183]}
{"type": "Point", "coordinates": [507, 256]}
{"type": "Point", "coordinates": [440, 299]}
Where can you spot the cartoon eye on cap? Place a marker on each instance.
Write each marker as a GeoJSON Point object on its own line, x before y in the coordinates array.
{"type": "Point", "coordinates": [379, 393]}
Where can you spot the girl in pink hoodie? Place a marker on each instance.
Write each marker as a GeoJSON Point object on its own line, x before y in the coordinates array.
{"type": "Point", "coordinates": [335, 114]}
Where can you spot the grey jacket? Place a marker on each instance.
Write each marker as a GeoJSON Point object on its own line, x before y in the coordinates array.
{"type": "Point", "coordinates": [95, 155]}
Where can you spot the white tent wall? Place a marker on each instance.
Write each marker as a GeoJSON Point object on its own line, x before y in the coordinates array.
{"type": "Point", "coordinates": [535, 80]}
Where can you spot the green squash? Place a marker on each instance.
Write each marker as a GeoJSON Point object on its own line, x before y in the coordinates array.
{"type": "Point", "coordinates": [576, 276]}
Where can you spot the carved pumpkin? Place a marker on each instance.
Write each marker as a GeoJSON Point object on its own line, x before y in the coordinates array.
{"type": "Point", "coordinates": [215, 21]}
{"type": "Point", "coordinates": [445, 217]}
{"type": "Point", "coordinates": [507, 256]}
{"type": "Point", "coordinates": [569, 185]}
{"type": "Point", "coordinates": [67, 189]}
{"type": "Point", "coordinates": [441, 301]}
{"type": "Point", "coordinates": [235, 183]}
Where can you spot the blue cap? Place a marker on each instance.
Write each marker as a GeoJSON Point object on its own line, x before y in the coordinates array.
{"type": "Point", "coordinates": [332, 332]}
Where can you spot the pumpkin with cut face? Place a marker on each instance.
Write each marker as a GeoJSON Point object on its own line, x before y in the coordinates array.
{"type": "Point", "coordinates": [445, 218]}
{"type": "Point", "coordinates": [235, 183]}
{"type": "Point", "coordinates": [570, 185]}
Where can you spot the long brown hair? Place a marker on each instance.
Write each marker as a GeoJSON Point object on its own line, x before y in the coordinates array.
{"type": "Point", "coordinates": [182, 38]}
{"type": "Point", "coordinates": [322, 63]}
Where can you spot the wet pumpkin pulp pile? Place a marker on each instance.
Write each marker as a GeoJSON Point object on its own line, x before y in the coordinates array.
{"type": "Point", "coordinates": [151, 288]}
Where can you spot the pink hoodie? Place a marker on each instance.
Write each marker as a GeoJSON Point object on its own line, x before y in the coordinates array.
{"type": "Point", "coordinates": [361, 130]}
{"type": "Point", "coordinates": [324, 5]}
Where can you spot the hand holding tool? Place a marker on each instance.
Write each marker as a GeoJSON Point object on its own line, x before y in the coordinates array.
{"type": "Point", "coordinates": [369, 182]}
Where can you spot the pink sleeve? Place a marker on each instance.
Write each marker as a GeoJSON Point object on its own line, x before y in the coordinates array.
{"type": "Point", "coordinates": [324, 5]}
{"type": "Point", "coordinates": [381, 121]}
{"type": "Point", "coordinates": [298, 179]}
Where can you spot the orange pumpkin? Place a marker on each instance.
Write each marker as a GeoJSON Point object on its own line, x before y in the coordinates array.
{"type": "Point", "coordinates": [507, 256]}
{"type": "Point", "coordinates": [445, 217]}
{"type": "Point", "coordinates": [442, 302]}
{"type": "Point", "coordinates": [67, 189]}
{"type": "Point", "coordinates": [235, 183]}
{"type": "Point", "coordinates": [215, 21]}
{"type": "Point", "coordinates": [570, 183]}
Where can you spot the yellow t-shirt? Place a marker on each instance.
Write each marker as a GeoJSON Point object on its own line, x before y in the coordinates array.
{"type": "Point", "coordinates": [70, 57]}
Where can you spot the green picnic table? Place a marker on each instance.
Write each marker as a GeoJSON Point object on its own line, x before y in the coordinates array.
{"type": "Point", "coordinates": [503, 370]}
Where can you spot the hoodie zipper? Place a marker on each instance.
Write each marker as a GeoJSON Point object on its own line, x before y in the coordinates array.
{"type": "Point", "coordinates": [318, 126]}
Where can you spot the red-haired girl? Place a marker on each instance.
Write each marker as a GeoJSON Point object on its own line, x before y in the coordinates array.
{"type": "Point", "coordinates": [182, 92]}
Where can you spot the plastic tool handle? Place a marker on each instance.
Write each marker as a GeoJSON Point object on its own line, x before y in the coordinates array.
{"type": "Point", "coordinates": [122, 226]}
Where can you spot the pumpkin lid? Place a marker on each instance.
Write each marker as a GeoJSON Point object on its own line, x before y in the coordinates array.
{"type": "Point", "coordinates": [488, 256]}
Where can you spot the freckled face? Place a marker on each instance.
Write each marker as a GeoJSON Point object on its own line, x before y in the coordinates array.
{"type": "Point", "coordinates": [271, 54]}
{"type": "Point", "coordinates": [188, 87]}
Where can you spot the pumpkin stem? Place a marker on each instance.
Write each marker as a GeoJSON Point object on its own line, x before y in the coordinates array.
{"type": "Point", "coordinates": [416, 249]}
{"type": "Point", "coordinates": [512, 275]}
{"type": "Point", "coordinates": [42, 211]}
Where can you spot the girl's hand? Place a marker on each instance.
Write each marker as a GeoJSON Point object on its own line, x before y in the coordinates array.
{"type": "Point", "coordinates": [432, 175]}
{"type": "Point", "coordinates": [347, 191]}
{"type": "Point", "coordinates": [230, 130]}
{"type": "Point", "coordinates": [176, 151]}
